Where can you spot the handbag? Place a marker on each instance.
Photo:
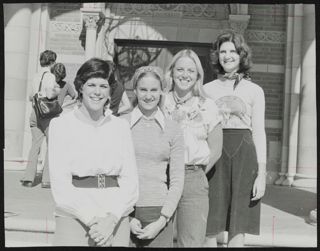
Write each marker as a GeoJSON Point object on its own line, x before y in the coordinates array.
{"type": "Point", "coordinates": [44, 107]}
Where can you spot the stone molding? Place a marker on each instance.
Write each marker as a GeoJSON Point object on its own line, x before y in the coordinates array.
{"type": "Point", "coordinates": [257, 36]}
{"type": "Point", "coordinates": [91, 20]}
{"type": "Point", "coordinates": [212, 11]}
{"type": "Point", "coordinates": [66, 27]}
{"type": "Point", "coordinates": [239, 23]}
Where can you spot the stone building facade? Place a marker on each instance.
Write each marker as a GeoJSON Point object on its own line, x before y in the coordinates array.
{"type": "Point", "coordinates": [281, 36]}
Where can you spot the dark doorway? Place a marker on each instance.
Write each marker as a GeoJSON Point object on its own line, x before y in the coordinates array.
{"type": "Point", "coordinates": [132, 54]}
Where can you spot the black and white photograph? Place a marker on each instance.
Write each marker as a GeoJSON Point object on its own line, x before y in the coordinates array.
{"type": "Point", "coordinates": [160, 125]}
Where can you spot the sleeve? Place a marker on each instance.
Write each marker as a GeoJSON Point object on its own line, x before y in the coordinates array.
{"type": "Point", "coordinates": [258, 125]}
{"type": "Point", "coordinates": [67, 198]}
{"type": "Point", "coordinates": [71, 91]}
{"type": "Point", "coordinates": [48, 85]}
{"type": "Point", "coordinates": [176, 172]}
{"type": "Point", "coordinates": [128, 176]}
{"type": "Point", "coordinates": [212, 114]}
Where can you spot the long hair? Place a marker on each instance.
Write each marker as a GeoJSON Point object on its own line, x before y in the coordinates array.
{"type": "Point", "coordinates": [197, 88]}
{"type": "Point", "coordinates": [242, 49]}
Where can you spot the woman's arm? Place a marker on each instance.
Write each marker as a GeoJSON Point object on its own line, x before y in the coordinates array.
{"type": "Point", "coordinates": [125, 104]}
{"type": "Point", "coordinates": [215, 141]}
{"type": "Point", "coordinates": [259, 139]}
{"type": "Point", "coordinates": [176, 171]}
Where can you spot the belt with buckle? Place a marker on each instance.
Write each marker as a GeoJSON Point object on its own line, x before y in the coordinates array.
{"type": "Point", "coordinates": [99, 181]}
{"type": "Point", "coordinates": [194, 167]}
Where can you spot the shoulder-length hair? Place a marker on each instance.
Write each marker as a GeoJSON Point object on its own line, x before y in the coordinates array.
{"type": "Point", "coordinates": [242, 49]}
{"type": "Point", "coordinates": [197, 88]}
{"type": "Point", "coordinates": [93, 68]}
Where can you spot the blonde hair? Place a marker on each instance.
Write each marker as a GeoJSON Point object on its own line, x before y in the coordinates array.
{"type": "Point", "coordinates": [143, 71]}
{"type": "Point", "coordinates": [197, 88]}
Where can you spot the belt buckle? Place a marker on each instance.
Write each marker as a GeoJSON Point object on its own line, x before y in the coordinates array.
{"type": "Point", "coordinates": [101, 181]}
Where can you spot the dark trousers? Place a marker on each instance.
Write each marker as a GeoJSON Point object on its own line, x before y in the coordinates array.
{"type": "Point", "coordinates": [230, 186]}
{"type": "Point", "coordinates": [147, 215]}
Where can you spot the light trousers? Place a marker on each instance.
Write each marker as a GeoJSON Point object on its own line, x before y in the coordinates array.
{"type": "Point", "coordinates": [39, 131]}
{"type": "Point", "coordinates": [192, 211]}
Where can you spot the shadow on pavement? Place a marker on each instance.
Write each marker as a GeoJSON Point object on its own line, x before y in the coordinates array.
{"type": "Point", "coordinates": [291, 200]}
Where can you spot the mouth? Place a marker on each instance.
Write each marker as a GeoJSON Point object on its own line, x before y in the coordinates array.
{"type": "Point", "coordinates": [96, 99]}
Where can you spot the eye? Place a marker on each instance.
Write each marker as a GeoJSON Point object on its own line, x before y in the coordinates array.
{"type": "Point", "coordinates": [105, 86]}
{"type": "Point", "coordinates": [91, 85]}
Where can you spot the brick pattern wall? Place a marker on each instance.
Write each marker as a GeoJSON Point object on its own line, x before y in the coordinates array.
{"type": "Point", "coordinates": [266, 37]}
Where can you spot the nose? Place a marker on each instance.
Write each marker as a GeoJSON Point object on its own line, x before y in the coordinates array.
{"type": "Point", "coordinates": [148, 95]}
{"type": "Point", "coordinates": [97, 90]}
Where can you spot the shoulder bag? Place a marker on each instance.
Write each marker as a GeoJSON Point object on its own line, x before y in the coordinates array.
{"type": "Point", "coordinates": [44, 107]}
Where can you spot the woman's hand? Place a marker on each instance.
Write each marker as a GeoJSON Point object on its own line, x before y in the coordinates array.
{"type": "Point", "coordinates": [101, 228]}
{"type": "Point", "coordinates": [259, 187]}
{"type": "Point", "coordinates": [152, 230]}
{"type": "Point", "coordinates": [135, 226]}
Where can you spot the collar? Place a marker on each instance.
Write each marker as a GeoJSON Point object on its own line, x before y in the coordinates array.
{"type": "Point", "coordinates": [107, 115]}
{"type": "Point", "coordinates": [136, 115]}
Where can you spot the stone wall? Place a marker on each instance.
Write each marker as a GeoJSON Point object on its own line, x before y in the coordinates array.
{"type": "Point", "coordinates": [266, 35]}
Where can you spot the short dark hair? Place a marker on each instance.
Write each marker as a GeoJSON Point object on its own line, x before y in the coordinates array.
{"type": "Point", "coordinates": [92, 68]}
{"type": "Point", "coordinates": [241, 47]}
{"type": "Point", "coordinates": [47, 58]}
{"type": "Point", "coordinates": [59, 71]}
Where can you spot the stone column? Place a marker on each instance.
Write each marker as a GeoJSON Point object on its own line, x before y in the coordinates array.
{"type": "Point", "coordinates": [307, 148]}
{"type": "Point", "coordinates": [17, 19]}
{"type": "Point", "coordinates": [91, 15]}
{"type": "Point", "coordinates": [291, 96]}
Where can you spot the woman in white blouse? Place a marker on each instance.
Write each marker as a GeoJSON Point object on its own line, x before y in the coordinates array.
{"type": "Point", "coordinates": [199, 119]}
{"type": "Point", "coordinates": [239, 178]}
{"type": "Point", "coordinates": [92, 166]}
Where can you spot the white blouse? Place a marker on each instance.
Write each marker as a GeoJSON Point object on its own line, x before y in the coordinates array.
{"type": "Point", "coordinates": [79, 148]}
{"type": "Point", "coordinates": [197, 121]}
{"type": "Point", "coordinates": [241, 108]}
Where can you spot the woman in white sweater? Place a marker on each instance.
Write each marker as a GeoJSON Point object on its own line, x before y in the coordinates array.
{"type": "Point", "coordinates": [93, 171]}
{"type": "Point", "coordinates": [238, 180]}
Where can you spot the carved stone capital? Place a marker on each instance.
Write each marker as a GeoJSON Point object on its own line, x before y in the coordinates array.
{"type": "Point", "coordinates": [91, 20]}
{"type": "Point", "coordinates": [239, 23]}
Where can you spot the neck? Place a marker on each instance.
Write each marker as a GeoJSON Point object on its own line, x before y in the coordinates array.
{"type": "Point", "coordinates": [148, 113]}
{"type": "Point", "coordinates": [183, 94]}
{"type": "Point", "coordinates": [91, 115]}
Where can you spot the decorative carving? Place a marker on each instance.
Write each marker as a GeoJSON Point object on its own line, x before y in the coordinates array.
{"type": "Point", "coordinates": [66, 27]}
{"type": "Point", "coordinates": [214, 11]}
{"type": "Point", "coordinates": [91, 20]}
{"type": "Point", "coordinates": [239, 23]}
{"type": "Point", "coordinates": [266, 36]}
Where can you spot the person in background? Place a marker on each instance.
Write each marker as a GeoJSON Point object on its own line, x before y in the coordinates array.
{"type": "Point", "coordinates": [239, 178]}
{"type": "Point", "coordinates": [119, 103]}
{"type": "Point", "coordinates": [59, 71]}
{"type": "Point", "coordinates": [187, 104]}
{"type": "Point", "coordinates": [39, 126]}
{"type": "Point", "coordinates": [94, 180]}
{"type": "Point", "coordinates": [158, 143]}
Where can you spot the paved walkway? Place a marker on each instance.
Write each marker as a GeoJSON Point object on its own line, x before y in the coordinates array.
{"type": "Point", "coordinates": [283, 215]}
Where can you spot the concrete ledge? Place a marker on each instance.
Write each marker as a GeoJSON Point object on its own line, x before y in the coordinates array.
{"type": "Point", "coordinates": [29, 225]}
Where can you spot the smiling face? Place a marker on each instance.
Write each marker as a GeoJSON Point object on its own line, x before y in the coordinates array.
{"type": "Point", "coordinates": [148, 92]}
{"type": "Point", "coordinates": [95, 93]}
{"type": "Point", "coordinates": [184, 74]}
{"type": "Point", "coordinates": [229, 57]}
